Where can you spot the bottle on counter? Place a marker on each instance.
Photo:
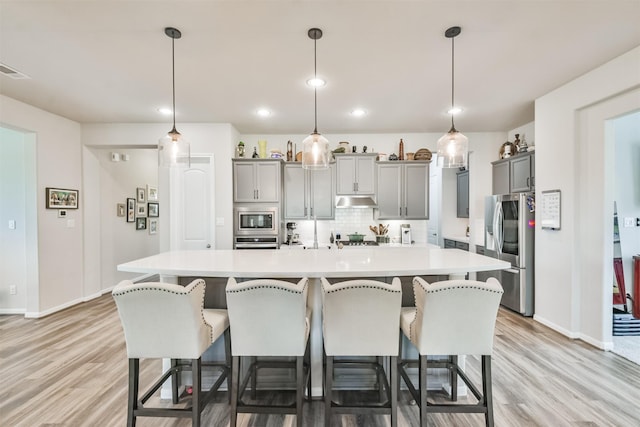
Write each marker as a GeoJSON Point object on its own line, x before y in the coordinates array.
{"type": "Point", "coordinates": [255, 153]}
{"type": "Point", "coordinates": [401, 150]}
{"type": "Point", "coordinates": [240, 150]}
{"type": "Point", "coordinates": [289, 151]}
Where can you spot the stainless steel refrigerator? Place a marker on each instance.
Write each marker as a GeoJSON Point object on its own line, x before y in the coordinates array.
{"type": "Point", "coordinates": [509, 232]}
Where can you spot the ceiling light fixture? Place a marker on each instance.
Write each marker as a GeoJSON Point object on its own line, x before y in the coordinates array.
{"type": "Point", "coordinates": [173, 149]}
{"type": "Point", "coordinates": [453, 147]}
{"type": "Point", "coordinates": [315, 152]}
{"type": "Point", "coordinates": [165, 111]}
{"type": "Point", "coordinates": [358, 112]}
{"type": "Point", "coordinates": [263, 112]}
{"type": "Point", "coordinates": [316, 82]}
{"type": "Point", "coordinates": [455, 110]}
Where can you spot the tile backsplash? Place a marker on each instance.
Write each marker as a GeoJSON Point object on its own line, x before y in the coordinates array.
{"type": "Point", "coordinates": [352, 220]}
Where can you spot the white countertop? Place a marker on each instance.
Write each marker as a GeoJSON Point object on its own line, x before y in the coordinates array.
{"type": "Point", "coordinates": [352, 262]}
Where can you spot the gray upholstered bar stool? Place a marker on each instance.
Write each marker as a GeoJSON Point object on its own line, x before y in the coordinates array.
{"type": "Point", "coordinates": [451, 318]}
{"type": "Point", "coordinates": [362, 318]}
{"type": "Point", "coordinates": [162, 320]}
{"type": "Point", "coordinates": [268, 318]}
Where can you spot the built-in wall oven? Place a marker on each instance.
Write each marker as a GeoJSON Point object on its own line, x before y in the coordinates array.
{"type": "Point", "coordinates": [256, 227]}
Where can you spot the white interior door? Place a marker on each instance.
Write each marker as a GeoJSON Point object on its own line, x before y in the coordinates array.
{"type": "Point", "coordinates": [192, 210]}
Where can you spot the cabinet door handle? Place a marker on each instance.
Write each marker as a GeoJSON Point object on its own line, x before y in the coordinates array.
{"type": "Point", "coordinates": [311, 210]}
{"type": "Point", "coordinates": [305, 211]}
{"type": "Point", "coordinates": [400, 211]}
{"type": "Point", "coordinates": [528, 181]}
{"type": "Point", "coordinates": [406, 211]}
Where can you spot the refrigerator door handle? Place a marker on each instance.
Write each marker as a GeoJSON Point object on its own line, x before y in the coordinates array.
{"type": "Point", "coordinates": [497, 228]}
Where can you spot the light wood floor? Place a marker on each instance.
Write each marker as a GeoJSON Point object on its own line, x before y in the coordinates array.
{"type": "Point", "coordinates": [70, 369]}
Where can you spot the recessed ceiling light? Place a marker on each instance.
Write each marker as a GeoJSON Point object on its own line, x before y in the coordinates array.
{"type": "Point", "coordinates": [263, 112]}
{"type": "Point", "coordinates": [316, 82]}
{"type": "Point", "coordinates": [455, 110]}
{"type": "Point", "coordinates": [164, 110]}
{"type": "Point", "coordinates": [358, 112]}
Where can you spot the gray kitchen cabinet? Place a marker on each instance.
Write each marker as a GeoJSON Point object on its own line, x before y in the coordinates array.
{"type": "Point", "coordinates": [462, 194]}
{"type": "Point", "coordinates": [500, 177]}
{"type": "Point", "coordinates": [355, 174]}
{"type": "Point", "coordinates": [515, 174]}
{"type": "Point", "coordinates": [521, 172]}
{"type": "Point", "coordinates": [403, 190]}
{"type": "Point", "coordinates": [256, 181]}
{"type": "Point", "coordinates": [455, 244]}
{"type": "Point", "coordinates": [308, 192]}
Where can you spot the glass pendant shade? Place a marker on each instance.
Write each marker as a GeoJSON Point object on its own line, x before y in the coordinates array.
{"type": "Point", "coordinates": [315, 152]}
{"type": "Point", "coordinates": [453, 149]}
{"type": "Point", "coordinates": [174, 151]}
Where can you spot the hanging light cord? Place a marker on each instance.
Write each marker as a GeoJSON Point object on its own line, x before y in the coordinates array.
{"type": "Point", "coordinates": [315, 86]}
{"type": "Point", "coordinates": [453, 128]}
{"type": "Point", "coordinates": [173, 82]}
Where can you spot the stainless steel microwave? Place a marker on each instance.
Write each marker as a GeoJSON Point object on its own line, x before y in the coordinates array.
{"type": "Point", "coordinates": [258, 220]}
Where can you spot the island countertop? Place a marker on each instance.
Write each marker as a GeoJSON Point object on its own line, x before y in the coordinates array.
{"type": "Point", "coordinates": [312, 263]}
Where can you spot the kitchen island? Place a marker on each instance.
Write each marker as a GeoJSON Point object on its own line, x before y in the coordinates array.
{"type": "Point", "coordinates": [381, 263]}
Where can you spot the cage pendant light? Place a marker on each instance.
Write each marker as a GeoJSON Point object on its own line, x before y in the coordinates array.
{"type": "Point", "coordinates": [453, 147]}
{"type": "Point", "coordinates": [173, 149]}
{"type": "Point", "coordinates": [315, 151]}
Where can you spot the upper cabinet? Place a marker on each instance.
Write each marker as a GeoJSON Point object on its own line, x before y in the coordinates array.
{"type": "Point", "coordinates": [403, 190]}
{"type": "Point", "coordinates": [521, 172]}
{"type": "Point", "coordinates": [308, 193]}
{"type": "Point", "coordinates": [256, 181]}
{"type": "Point", "coordinates": [355, 174]}
{"type": "Point", "coordinates": [462, 194]}
{"type": "Point", "coordinates": [515, 174]}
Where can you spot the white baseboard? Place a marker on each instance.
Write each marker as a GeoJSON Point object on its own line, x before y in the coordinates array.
{"type": "Point", "coordinates": [38, 314]}
{"type": "Point", "coordinates": [555, 327]}
{"type": "Point", "coordinates": [13, 310]}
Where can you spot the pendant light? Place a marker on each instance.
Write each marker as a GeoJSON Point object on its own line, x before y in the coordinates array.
{"type": "Point", "coordinates": [315, 151]}
{"type": "Point", "coordinates": [453, 147]}
{"type": "Point", "coordinates": [173, 149]}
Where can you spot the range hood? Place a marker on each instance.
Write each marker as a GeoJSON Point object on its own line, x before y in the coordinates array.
{"type": "Point", "coordinates": [355, 202]}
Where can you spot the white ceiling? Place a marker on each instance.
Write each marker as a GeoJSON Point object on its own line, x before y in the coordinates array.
{"type": "Point", "coordinates": [110, 61]}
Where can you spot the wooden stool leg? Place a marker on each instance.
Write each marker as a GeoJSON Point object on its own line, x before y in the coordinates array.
{"type": "Point", "coordinates": [423, 390]}
{"type": "Point", "coordinates": [454, 377]}
{"type": "Point", "coordinates": [227, 356]}
{"type": "Point", "coordinates": [395, 385]}
{"type": "Point", "coordinates": [328, 392]}
{"type": "Point", "coordinates": [174, 381]}
{"type": "Point", "coordinates": [487, 389]}
{"type": "Point", "coordinates": [132, 406]}
{"type": "Point", "coordinates": [196, 409]}
{"type": "Point", "coordinates": [300, 384]}
{"type": "Point", "coordinates": [254, 377]}
{"type": "Point", "coordinates": [235, 374]}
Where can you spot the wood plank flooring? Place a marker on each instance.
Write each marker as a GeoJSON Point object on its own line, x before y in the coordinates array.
{"type": "Point", "coordinates": [70, 369]}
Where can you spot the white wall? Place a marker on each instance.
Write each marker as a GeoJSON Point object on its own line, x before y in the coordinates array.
{"type": "Point", "coordinates": [627, 189]}
{"type": "Point", "coordinates": [573, 265]}
{"type": "Point", "coordinates": [205, 138]}
{"type": "Point", "coordinates": [13, 242]}
{"type": "Point", "coordinates": [58, 280]}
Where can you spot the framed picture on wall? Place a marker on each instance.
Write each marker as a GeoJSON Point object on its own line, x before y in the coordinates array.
{"type": "Point", "coordinates": [141, 210]}
{"type": "Point", "coordinates": [141, 223]}
{"type": "Point", "coordinates": [131, 210]}
{"type": "Point", "coordinates": [153, 226]}
{"type": "Point", "coordinates": [153, 210]}
{"type": "Point", "coordinates": [141, 195]}
{"type": "Point", "coordinates": [59, 198]}
{"type": "Point", "coordinates": [120, 209]}
{"type": "Point", "coordinates": [152, 194]}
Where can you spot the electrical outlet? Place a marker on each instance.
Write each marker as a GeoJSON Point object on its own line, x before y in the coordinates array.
{"type": "Point", "coordinates": [13, 290]}
{"type": "Point", "coordinates": [628, 222]}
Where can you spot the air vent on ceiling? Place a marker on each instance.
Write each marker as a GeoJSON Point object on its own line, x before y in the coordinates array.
{"type": "Point", "coordinates": [10, 72]}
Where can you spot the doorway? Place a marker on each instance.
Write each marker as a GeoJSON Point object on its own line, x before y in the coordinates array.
{"type": "Point", "coordinates": [18, 219]}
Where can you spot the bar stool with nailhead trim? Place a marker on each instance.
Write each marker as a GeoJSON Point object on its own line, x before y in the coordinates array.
{"type": "Point", "coordinates": [451, 318]}
{"type": "Point", "coordinates": [162, 320]}
{"type": "Point", "coordinates": [268, 318]}
{"type": "Point", "coordinates": [361, 318]}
